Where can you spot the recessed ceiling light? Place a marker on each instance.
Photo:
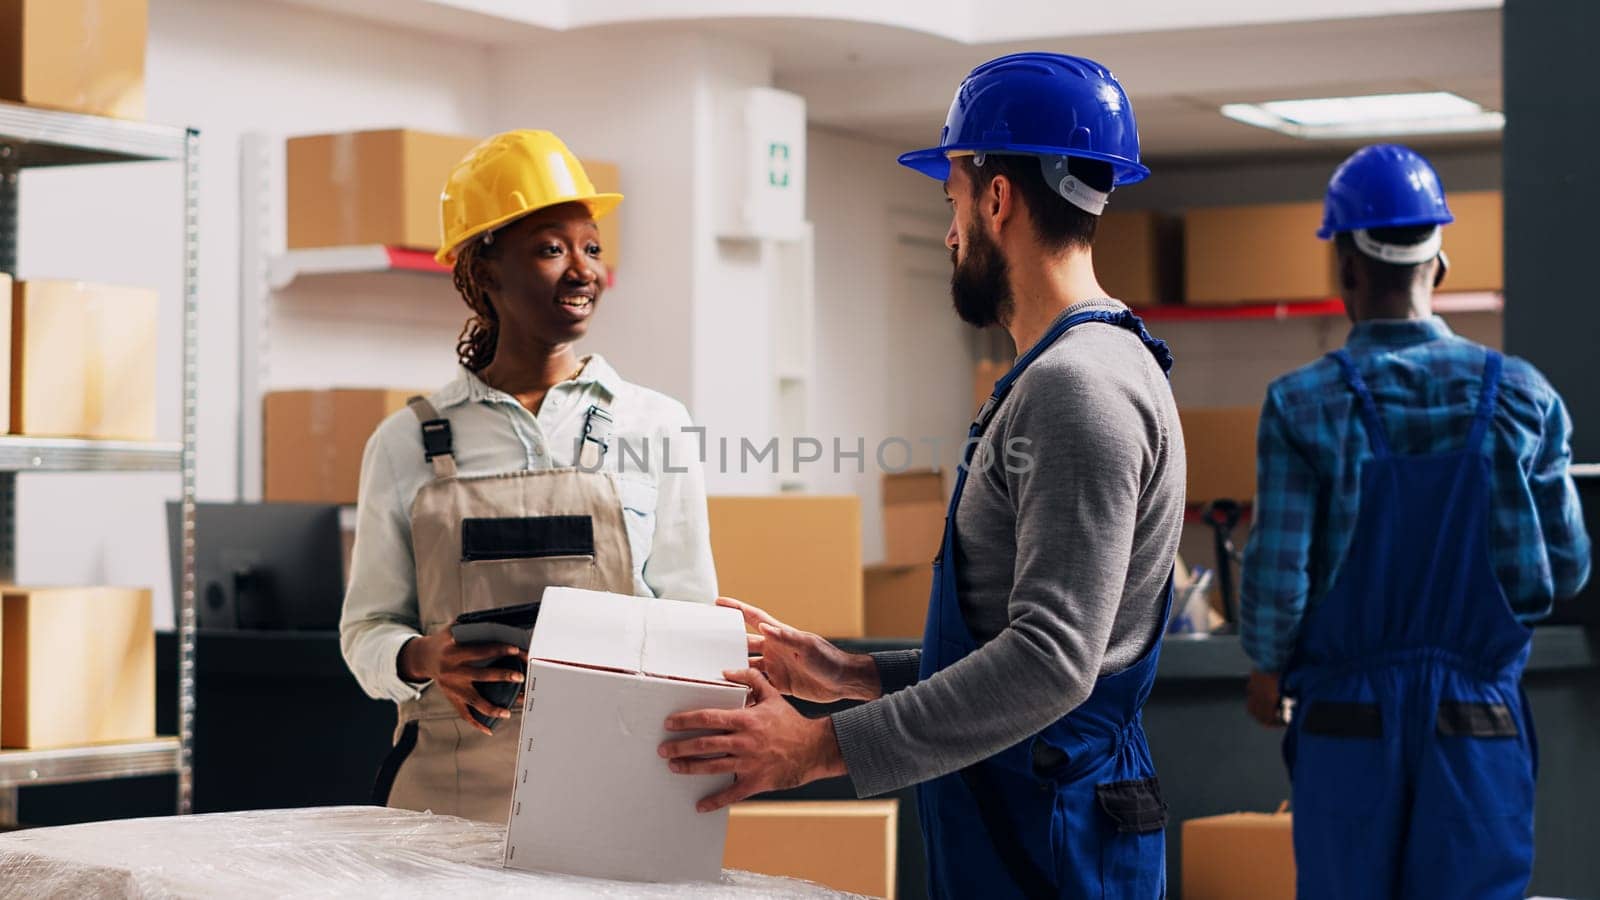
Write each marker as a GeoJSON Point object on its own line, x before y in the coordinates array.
{"type": "Point", "coordinates": [1434, 112]}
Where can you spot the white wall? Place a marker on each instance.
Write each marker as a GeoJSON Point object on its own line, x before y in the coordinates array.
{"type": "Point", "coordinates": [224, 68]}
{"type": "Point", "coordinates": [734, 372]}
{"type": "Point", "coordinates": [690, 314]}
{"type": "Point", "coordinates": [892, 358]}
{"type": "Point", "coordinates": [624, 110]}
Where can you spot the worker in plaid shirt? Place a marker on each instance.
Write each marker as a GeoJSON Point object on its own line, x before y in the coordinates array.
{"type": "Point", "coordinates": [1309, 454]}
{"type": "Point", "coordinates": [1414, 511]}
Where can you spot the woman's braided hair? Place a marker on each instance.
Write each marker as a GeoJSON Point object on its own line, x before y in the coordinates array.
{"type": "Point", "coordinates": [475, 347]}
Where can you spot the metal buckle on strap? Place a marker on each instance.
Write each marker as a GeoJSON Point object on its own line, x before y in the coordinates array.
{"type": "Point", "coordinates": [597, 427]}
{"type": "Point", "coordinates": [436, 439]}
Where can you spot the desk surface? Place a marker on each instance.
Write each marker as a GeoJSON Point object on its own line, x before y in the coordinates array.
{"type": "Point", "coordinates": [341, 851]}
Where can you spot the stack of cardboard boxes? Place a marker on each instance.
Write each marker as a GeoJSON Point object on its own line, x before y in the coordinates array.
{"type": "Point", "coordinates": [897, 589]}
{"type": "Point", "coordinates": [1267, 253]}
{"type": "Point", "coordinates": [77, 664]}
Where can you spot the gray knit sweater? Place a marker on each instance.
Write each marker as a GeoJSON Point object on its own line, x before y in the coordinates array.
{"type": "Point", "coordinates": [1061, 569]}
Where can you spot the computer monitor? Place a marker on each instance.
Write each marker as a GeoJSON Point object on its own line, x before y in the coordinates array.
{"type": "Point", "coordinates": [262, 566]}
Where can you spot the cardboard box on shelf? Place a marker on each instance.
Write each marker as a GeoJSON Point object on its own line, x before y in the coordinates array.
{"type": "Point", "coordinates": [82, 56]}
{"type": "Point", "coordinates": [913, 517]}
{"type": "Point", "coordinates": [1138, 256]}
{"type": "Point", "coordinates": [847, 845]}
{"type": "Point", "coordinates": [1256, 254]}
{"type": "Point", "coordinates": [592, 795]}
{"type": "Point", "coordinates": [1240, 856]}
{"type": "Point", "coordinates": [77, 666]}
{"type": "Point", "coordinates": [897, 599]}
{"type": "Point", "coordinates": [382, 187]}
{"type": "Point", "coordinates": [83, 360]}
{"type": "Point", "coordinates": [798, 556]}
{"type": "Point", "coordinates": [314, 441]}
{"type": "Point", "coordinates": [1221, 445]}
{"type": "Point", "coordinates": [369, 187]}
{"type": "Point", "coordinates": [984, 375]}
{"type": "Point", "coordinates": [1475, 242]}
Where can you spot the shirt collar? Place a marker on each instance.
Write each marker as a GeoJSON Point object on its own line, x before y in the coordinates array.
{"type": "Point", "coordinates": [467, 387]}
{"type": "Point", "coordinates": [1380, 333]}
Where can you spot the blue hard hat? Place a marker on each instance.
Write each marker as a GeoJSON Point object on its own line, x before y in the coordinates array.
{"type": "Point", "coordinates": [1383, 186]}
{"type": "Point", "coordinates": [1041, 104]}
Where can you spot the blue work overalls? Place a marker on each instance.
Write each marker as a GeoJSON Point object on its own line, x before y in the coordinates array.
{"type": "Point", "coordinates": [1411, 749]}
{"type": "Point", "coordinates": [1092, 825]}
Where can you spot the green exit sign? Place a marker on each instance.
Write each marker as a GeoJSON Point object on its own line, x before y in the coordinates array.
{"type": "Point", "coordinates": [778, 164]}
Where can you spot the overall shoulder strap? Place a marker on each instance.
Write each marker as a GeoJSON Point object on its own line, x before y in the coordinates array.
{"type": "Point", "coordinates": [1493, 365]}
{"type": "Point", "coordinates": [1378, 437]}
{"type": "Point", "coordinates": [437, 444]}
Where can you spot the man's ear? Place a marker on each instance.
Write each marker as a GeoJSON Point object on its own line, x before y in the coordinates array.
{"type": "Point", "coordinates": [1441, 268]}
{"type": "Point", "coordinates": [1000, 202]}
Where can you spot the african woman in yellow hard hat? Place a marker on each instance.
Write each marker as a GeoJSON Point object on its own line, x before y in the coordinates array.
{"type": "Point", "coordinates": [509, 480]}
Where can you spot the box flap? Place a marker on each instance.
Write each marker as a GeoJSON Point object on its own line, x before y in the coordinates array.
{"type": "Point", "coordinates": [645, 635]}
{"type": "Point", "coordinates": [691, 640]}
{"type": "Point", "coordinates": [590, 628]}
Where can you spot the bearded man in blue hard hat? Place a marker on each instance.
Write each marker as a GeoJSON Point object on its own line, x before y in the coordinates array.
{"type": "Point", "coordinates": [1018, 719]}
{"type": "Point", "coordinates": [1414, 511]}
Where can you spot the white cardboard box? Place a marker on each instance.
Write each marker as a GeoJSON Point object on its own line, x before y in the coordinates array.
{"type": "Point", "coordinates": [592, 796]}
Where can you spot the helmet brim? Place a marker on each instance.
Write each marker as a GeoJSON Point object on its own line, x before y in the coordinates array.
{"type": "Point", "coordinates": [934, 162]}
{"type": "Point", "coordinates": [599, 205]}
{"type": "Point", "coordinates": [1326, 232]}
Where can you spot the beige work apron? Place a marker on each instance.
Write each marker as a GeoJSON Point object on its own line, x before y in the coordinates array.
{"type": "Point", "coordinates": [441, 762]}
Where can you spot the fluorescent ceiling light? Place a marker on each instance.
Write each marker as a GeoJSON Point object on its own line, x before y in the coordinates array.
{"type": "Point", "coordinates": [1435, 112]}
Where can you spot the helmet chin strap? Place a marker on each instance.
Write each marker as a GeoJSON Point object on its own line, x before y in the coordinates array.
{"type": "Point", "coordinates": [1055, 171]}
{"type": "Point", "coordinates": [1071, 188]}
{"type": "Point", "coordinates": [1399, 254]}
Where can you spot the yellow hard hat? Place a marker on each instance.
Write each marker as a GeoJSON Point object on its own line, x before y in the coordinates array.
{"type": "Point", "coordinates": [507, 177]}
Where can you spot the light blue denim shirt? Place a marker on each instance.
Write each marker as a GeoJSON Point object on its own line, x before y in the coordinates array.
{"type": "Point", "coordinates": [663, 499]}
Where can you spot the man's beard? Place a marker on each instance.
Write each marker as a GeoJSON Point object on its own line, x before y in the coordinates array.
{"type": "Point", "coordinates": [979, 286]}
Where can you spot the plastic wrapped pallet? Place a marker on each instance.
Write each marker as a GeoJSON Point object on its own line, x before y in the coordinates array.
{"type": "Point", "coordinates": [353, 851]}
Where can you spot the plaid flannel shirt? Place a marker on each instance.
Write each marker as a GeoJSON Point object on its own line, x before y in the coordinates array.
{"type": "Point", "coordinates": [1312, 444]}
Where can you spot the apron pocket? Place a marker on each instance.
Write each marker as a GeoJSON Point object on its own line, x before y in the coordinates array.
{"type": "Point", "coordinates": [1133, 844]}
{"type": "Point", "coordinates": [533, 537]}
{"type": "Point", "coordinates": [506, 582]}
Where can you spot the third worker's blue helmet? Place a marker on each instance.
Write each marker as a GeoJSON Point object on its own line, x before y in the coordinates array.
{"type": "Point", "coordinates": [1383, 186]}
{"type": "Point", "coordinates": [1386, 186]}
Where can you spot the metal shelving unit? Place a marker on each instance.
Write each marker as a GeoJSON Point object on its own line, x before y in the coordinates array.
{"type": "Point", "coordinates": [36, 138]}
